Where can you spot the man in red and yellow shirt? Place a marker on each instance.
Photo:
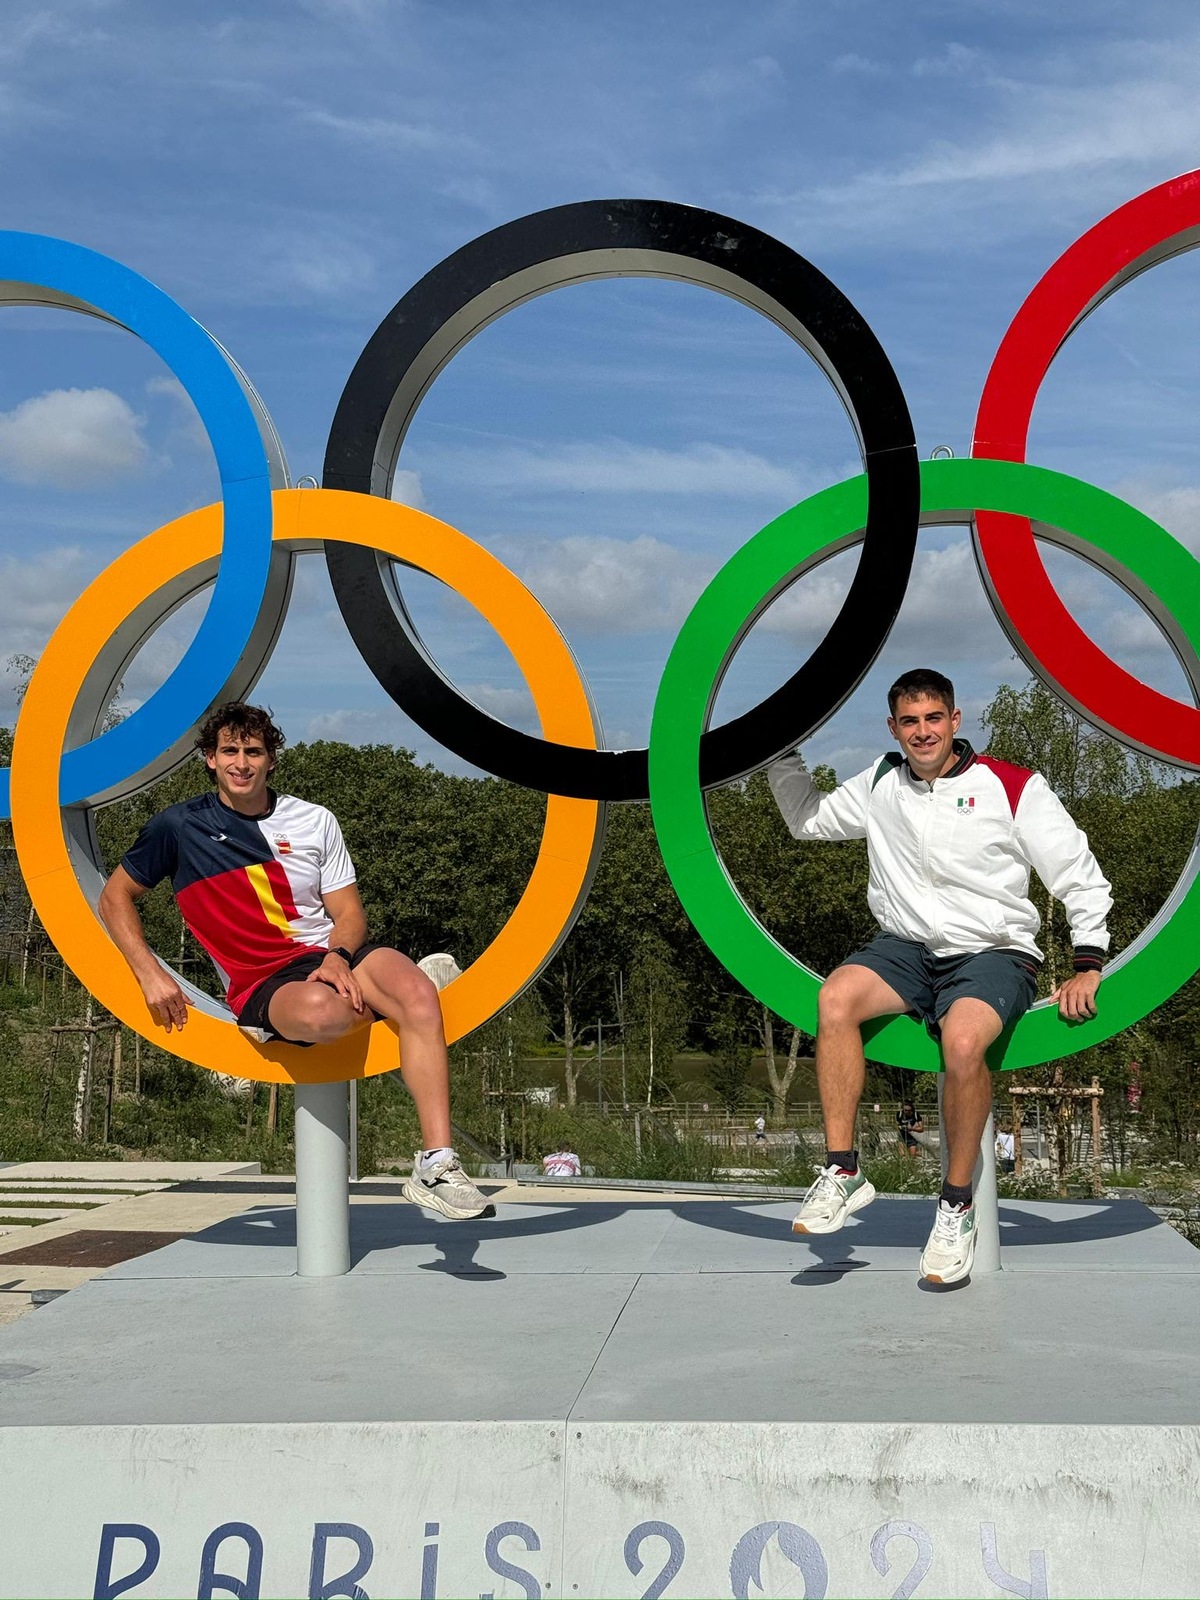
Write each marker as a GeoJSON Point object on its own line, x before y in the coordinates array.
{"type": "Point", "coordinates": [265, 883]}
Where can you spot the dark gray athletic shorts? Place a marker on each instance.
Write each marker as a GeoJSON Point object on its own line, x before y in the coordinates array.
{"type": "Point", "coordinates": [256, 1012]}
{"type": "Point", "coordinates": [929, 984]}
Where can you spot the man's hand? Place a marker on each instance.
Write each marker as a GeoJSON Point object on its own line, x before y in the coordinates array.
{"type": "Point", "coordinates": [335, 971]}
{"type": "Point", "coordinates": [165, 998]}
{"type": "Point", "coordinates": [1077, 997]}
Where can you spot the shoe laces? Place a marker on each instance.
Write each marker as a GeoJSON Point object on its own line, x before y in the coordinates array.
{"type": "Point", "coordinates": [946, 1223]}
{"type": "Point", "coordinates": [447, 1167]}
{"type": "Point", "coordinates": [824, 1187]}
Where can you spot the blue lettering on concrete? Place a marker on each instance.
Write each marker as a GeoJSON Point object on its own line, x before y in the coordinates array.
{"type": "Point", "coordinates": [880, 1540]}
{"type": "Point", "coordinates": [505, 1569]}
{"type": "Point", "coordinates": [1035, 1589]}
{"type": "Point", "coordinates": [346, 1587]}
{"type": "Point", "coordinates": [105, 1587]}
{"type": "Point", "coordinates": [247, 1588]}
{"type": "Point", "coordinates": [800, 1548]}
{"type": "Point", "coordinates": [675, 1554]}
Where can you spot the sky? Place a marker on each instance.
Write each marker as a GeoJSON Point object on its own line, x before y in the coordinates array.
{"type": "Point", "coordinates": [286, 171]}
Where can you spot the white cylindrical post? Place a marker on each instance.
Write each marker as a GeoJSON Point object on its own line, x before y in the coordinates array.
{"type": "Point", "coordinates": [983, 1185]}
{"type": "Point", "coordinates": [353, 1130]}
{"type": "Point", "coordinates": [322, 1180]}
{"type": "Point", "coordinates": [987, 1209]}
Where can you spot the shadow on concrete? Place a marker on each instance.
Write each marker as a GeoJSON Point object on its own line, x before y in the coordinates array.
{"type": "Point", "coordinates": [889, 1224]}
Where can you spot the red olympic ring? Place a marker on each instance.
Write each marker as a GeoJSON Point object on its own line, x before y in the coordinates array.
{"type": "Point", "coordinates": [1163, 222]}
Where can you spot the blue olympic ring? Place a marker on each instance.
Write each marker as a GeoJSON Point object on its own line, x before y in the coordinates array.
{"type": "Point", "coordinates": [195, 358]}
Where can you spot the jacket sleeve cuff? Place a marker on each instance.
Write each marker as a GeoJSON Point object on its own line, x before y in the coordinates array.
{"type": "Point", "coordinates": [1089, 958]}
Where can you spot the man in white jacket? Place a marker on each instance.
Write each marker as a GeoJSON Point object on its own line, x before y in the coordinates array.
{"type": "Point", "coordinates": [951, 837]}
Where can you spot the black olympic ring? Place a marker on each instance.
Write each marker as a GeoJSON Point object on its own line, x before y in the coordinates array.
{"type": "Point", "coordinates": [573, 244]}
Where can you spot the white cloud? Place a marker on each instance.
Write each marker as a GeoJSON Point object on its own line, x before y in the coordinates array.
{"type": "Point", "coordinates": [739, 80]}
{"type": "Point", "coordinates": [1067, 129]}
{"type": "Point", "coordinates": [1103, 122]}
{"type": "Point", "coordinates": [514, 706]}
{"type": "Point", "coordinates": [34, 594]}
{"type": "Point", "coordinates": [73, 439]}
{"type": "Point", "coordinates": [375, 726]}
{"type": "Point", "coordinates": [862, 66]}
{"type": "Point", "coordinates": [188, 425]}
{"type": "Point", "coordinates": [600, 585]}
{"type": "Point", "coordinates": [407, 490]}
{"type": "Point", "coordinates": [1177, 510]}
{"type": "Point", "coordinates": [387, 133]}
{"type": "Point", "coordinates": [616, 466]}
{"type": "Point", "coordinates": [953, 62]}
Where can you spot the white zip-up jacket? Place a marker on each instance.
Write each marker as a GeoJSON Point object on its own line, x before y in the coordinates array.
{"type": "Point", "coordinates": [949, 860]}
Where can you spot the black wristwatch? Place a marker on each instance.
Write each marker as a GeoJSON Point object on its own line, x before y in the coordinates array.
{"type": "Point", "coordinates": [340, 950]}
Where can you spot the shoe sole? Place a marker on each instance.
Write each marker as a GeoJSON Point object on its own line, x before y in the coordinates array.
{"type": "Point", "coordinates": [953, 1277]}
{"type": "Point", "coordinates": [422, 1196]}
{"type": "Point", "coordinates": [860, 1198]}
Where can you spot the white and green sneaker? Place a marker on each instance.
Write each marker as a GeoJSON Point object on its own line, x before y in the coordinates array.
{"type": "Point", "coordinates": [950, 1251]}
{"type": "Point", "coordinates": [833, 1197]}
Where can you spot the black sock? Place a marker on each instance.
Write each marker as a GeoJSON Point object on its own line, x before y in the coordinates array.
{"type": "Point", "coordinates": [957, 1194]}
{"type": "Point", "coordinates": [846, 1159]}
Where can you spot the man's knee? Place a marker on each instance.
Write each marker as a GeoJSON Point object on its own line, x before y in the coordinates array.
{"type": "Point", "coordinates": [964, 1052]}
{"type": "Point", "coordinates": [409, 996]}
{"type": "Point", "coordinates": [313, 1013]}
{"type": "Point", "coordinates": [840, 1000]}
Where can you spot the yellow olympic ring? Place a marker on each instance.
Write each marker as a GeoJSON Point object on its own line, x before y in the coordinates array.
{"type": "Point", "coordinates": [305, 518]}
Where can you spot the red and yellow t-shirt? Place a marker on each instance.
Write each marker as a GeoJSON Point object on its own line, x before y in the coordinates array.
{"type": "Point", "coordinates": [249, 888]}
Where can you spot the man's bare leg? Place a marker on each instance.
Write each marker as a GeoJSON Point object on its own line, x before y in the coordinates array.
{"type": "Point", "coordinates": [968, 1028]}
{"type": "Point", "coordinates": [393, 986]}
{"type": "Point", "coordinates": [396, 987]}
{"type": "Point", "coordinates": [850, 996]}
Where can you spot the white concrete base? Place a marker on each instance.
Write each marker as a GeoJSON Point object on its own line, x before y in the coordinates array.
{"type": "Point", "coordinates": [613, 1398]}
{"type": "Point", "coordinates": [701, 1509]}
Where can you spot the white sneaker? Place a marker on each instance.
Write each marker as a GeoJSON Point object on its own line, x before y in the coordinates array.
{"type": "Point", "coordinates": [834, 1196]}
{"type": "Point", "coordinates": [443, 1186]}
{"type": "Point", "coordinates": [948, 1255]}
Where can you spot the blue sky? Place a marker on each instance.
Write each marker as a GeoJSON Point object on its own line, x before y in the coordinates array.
{"type": "Point", "coordinates": [288, 170]}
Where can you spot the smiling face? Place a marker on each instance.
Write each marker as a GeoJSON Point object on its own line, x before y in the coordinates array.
{"type": "Point", "coordinates": [241, 766]}
{"type": "Point", "coordinates": [924, 728]}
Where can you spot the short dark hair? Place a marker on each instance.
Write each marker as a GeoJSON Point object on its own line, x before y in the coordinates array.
{"type": "Point", "coordinates": [244, 722]}
{"type": "Point", "coordinates": [921, 681]}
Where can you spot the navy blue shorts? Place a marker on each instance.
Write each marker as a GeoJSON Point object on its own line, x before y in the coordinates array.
{"type": "Point", "coordinates": [929, 985]}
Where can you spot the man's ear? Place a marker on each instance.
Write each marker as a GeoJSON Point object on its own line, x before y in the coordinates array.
{"type": "Point", "coordinates": [955, 720]}
{"type": "Point", "coordinates": [210, 761]}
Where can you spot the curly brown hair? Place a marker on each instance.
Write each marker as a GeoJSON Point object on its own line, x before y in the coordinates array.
{"type": "Point", "coordinates": [244, 722]}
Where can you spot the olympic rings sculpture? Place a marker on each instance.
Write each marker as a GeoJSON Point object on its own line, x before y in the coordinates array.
{"type": "Point", "coordinates": [245, 546]}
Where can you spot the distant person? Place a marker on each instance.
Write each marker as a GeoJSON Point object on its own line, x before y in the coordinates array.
{"type": "Point", "coordinates": [1006, 1149]}
{"type": "Point", "coordinates": [265, 883]}
{"type": "Point", "coordinates": [760, 1130]}
{"type": "Point", "coordinates": [561, 1164]}
{"type": "Point", "coordinates": [951, 838]}
{"type": "Point", "coordinates": [908, 1124]}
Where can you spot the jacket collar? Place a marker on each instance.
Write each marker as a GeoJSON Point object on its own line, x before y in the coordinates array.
{"type": "Point", "coordinates": [966, 758]}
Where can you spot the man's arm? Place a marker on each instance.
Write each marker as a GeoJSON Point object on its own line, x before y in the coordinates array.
{"type": "Point", "coordinates": [120, 915]}
{"type": "Point", "coordinates": [808, 812]}
{"type": "Point", "coordinates": [1059, 851]}
{"type": "Point", "coordinates": [349, 931]}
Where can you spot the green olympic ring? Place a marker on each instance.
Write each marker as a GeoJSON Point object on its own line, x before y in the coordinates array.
{"type": "Point", "coordinates": [1115, 537]}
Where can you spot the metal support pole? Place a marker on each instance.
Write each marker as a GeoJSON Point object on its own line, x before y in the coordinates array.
{"type": "Point", "coordinates": [983, 1184]}
{"type": "Point", "coordinates": [322, 1180]}
{"type": "Point", "coordinates": [353, 1130]}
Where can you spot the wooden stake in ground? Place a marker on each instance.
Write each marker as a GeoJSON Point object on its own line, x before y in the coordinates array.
{"type": "Point", "coordinates": [1062, 1100]}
